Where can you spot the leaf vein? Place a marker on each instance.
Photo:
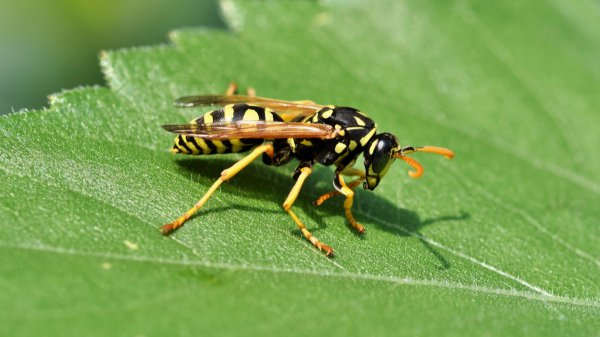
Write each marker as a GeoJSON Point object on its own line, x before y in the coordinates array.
{"type": "Point", "coordinates": [308, 272]}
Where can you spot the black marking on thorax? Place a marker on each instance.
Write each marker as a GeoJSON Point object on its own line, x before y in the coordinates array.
{"type": "Point", "coordinates": [355, 130]}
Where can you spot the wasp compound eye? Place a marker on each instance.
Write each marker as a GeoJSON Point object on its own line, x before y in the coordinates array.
{"type": "Point", "coordinates": [379, 157]}
{"type": "Point", "coordinates": [382, 155]}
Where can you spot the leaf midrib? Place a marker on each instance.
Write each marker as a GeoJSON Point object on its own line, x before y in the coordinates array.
{"type": "Point", "coordinates": [576, 302]}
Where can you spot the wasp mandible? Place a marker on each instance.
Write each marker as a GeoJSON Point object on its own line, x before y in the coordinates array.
{"type": "Point", "coordinates": [279, 131]}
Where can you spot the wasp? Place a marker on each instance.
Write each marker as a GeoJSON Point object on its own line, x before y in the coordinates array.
{"type": "Point", "coordinates": [280, 131]}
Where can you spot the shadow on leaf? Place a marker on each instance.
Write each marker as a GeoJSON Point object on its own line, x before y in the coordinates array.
{"type": "Point", "coordinates": [258, 181]}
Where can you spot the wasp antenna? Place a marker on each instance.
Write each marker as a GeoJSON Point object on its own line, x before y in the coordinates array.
{"type": "Point", "coordinates": [449, 154]}
{"type": "Point", "coordinates": [415, 164]}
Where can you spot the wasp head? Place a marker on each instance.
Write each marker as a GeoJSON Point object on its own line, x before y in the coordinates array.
{"type": "Point", "coordinates": [381, 151]}
{"type": "Point", "coordinates": [379, 155]}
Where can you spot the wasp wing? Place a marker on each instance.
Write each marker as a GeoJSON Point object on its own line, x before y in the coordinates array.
{"type": "Point", "coordinates": [254, 129]}
{"type": "Point", "coordinates": [288, 110]}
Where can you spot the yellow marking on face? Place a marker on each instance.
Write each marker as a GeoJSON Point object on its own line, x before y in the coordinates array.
{"type": "Point", "coordinates": [236, 145]}
{"type": "Point", "coordinates": [340, 147]}
{"type": "Point", "coordinates": [327, 114]}
{"type": "Point", "coordinates": [220, 147]}
{"type": "Point", "coordinates": [385, 169]}
{"type": "Point", "coordinates": [364, 140]}
{"type": "Point", "coordinates": [372, 148]}
{"type": "Point", "coordinates": [208, 118]}
{"type": "Point", "coordinates": [250, 115]}
{"type": "Point", "coordinates": [306, 142]}
{"type": "Point", "coordinates": [268, 115]}
{"type": "Point", "coordinates": [352, 145]}
{"type": "Point", "coordinates": [228, 110]}
{"type": "Point", "coordinates": [359, 121]}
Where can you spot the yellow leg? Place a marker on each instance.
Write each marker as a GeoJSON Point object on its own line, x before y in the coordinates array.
{"type": "Point", "coordinates": [232, 88]}
{"type": "Point", "coordinates": [349, 194]}
{"type": "Point", "coordinates": [287, 206]}
{"type": "Point", "coordinates": [225, 175]}
{"type": "Point", "coordinates": [352, 185]}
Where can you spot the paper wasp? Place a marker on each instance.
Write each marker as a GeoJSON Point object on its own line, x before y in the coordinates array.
{"type": "Point", "coordinates": [280, 131]}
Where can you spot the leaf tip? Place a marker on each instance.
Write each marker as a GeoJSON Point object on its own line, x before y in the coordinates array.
{"type": "Point", "coordinates": [232, 15]}
{"type": "Point", "coordinates": [105, 65]}
{"type": "Point", "coordinates": [54, 99]}
{"type": "Point", "coordinates": [174, 35]}
{"type": "Point", "coordinates": [103, 55]}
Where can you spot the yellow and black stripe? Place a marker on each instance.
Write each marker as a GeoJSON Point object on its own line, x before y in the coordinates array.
{"type": "Point", "coordinates": [229, 113]}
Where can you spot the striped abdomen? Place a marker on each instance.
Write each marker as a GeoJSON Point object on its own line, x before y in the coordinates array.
{"type": "Point", "coordinates": [229, 113]}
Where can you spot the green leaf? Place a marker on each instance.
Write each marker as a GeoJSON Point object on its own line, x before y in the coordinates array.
{"type": "Point", "coordinates": [503, 240]}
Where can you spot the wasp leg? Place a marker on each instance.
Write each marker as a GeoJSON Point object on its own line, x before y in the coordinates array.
{"type": "Point", "coordinates": [287, 206]}
{"type": "Point", "coordinates": [349, 194]}
{"type": "Point", "coordinates": [352, 185]}
{"type": "Point", "coordinates": [225, 175]}
{"type": "Point", "coordinates": [232, 89]}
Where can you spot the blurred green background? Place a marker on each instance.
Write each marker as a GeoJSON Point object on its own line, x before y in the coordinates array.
{"type": "Point", "coordinates": [47, 46]}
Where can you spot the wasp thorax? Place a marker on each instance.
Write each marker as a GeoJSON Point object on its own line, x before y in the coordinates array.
{"type": "Point", "coordinates": [378, 158]}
